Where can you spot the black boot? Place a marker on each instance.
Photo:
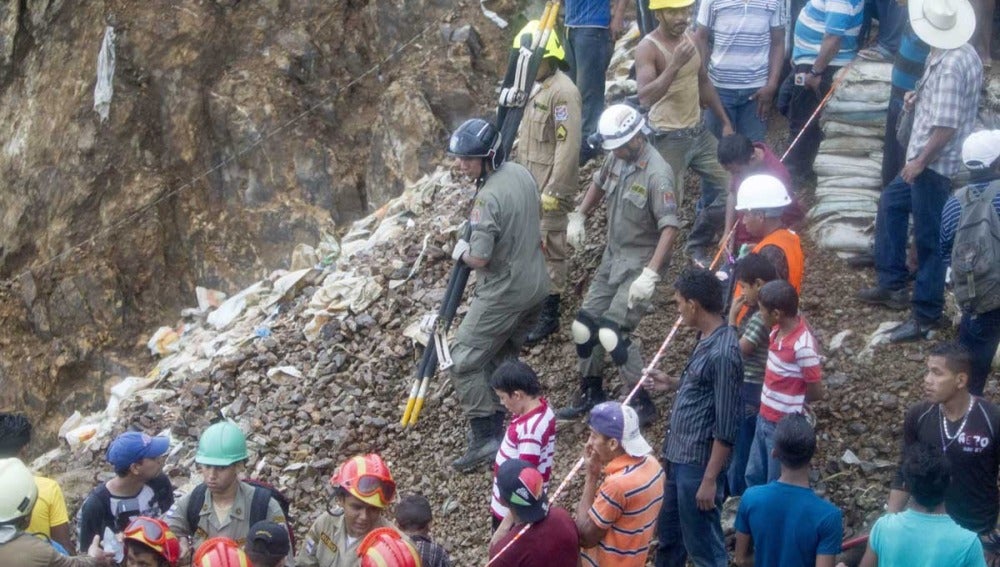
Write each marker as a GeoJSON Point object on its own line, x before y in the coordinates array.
{"type": "Point", "coordinates": [591, 394]}
{"type": "Point", "coordinates": [548, 321]}
{"type": "Point", "coordinates": [644, 407]}
{"type": "Point", "coordinates": [482, 448]}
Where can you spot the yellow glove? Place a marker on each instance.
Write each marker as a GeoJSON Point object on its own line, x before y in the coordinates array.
{"type": "Point", "coordinates": [549, 203]}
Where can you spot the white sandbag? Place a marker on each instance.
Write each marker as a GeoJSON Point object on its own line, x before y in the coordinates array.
{"type": "Point", "coordinates": [833, 128]}
{"type": "Point", "coordinates": [863, 70]}
{"type": "Point", "coordinates": [838, 106]}
{"type": "Point", "coordinates": [853, 182]}
{"type": "Point", "coordinates": [850, 145]}
{"type": "Point", "coordinates": [842, 236]}
{"type": "Point", "coordinates": [864, 91]}
{"type": "Point", "coordinates": [830, 165]}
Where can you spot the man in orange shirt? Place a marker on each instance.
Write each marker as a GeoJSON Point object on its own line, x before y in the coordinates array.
{"type": "Point", "coordinates": [616, 519]}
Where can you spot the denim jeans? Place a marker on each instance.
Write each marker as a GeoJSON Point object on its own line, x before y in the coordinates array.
{"type": "Point", "coordinates": [802, 104]}
{"type": "Point", "coordinates": [980, 334]}
{"type": "Point", "coordinates": [589, 54]}
{"type": "Point", "coordinates": [744, 439]}
{"type": "Point", "coordinates": [761, 466]}
{"type": "Point", "coordinates": [742, 114]}
{"type": "Point", "coordinates": [685, 530]}
{"type": "Point", "coordinates": [894, 154]}
{"type": "Point", "coordinates": [924, 200]}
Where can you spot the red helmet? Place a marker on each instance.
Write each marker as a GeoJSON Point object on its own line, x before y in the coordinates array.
{"type": "Point", "coordinates": [155, 535]}
{"type": "Point", "coordinates": [384, 547]}
{"type": "Point", "coordinates": [220, 552]}
{"type": "Point", "coordinates": [367, 478]}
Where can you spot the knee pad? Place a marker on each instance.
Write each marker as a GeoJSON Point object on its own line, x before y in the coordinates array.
{"type": "Point", "coordinates": [614, 340]}
{"type": "Point", "coordinates": [584, 331]}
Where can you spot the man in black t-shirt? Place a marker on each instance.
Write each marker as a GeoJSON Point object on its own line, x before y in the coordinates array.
{"type": "Point", "coordinates": [967, 429]}
{"type": "Point", "coordinates": [139, 488]}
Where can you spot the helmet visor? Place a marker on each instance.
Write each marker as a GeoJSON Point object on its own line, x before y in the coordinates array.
{"type": "Point", "coordinates": [368, 487]}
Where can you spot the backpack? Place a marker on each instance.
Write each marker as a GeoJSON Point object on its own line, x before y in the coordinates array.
{"type": "Point", "coordinates": [262, 495]}
{"type": "Point", "coordinates": [975, 255]}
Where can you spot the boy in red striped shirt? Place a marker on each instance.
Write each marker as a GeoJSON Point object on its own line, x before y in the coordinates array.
{"type": "Point", "coordinates": [792, 376]}
{"type": "Point", "coordinates": [531, 435]}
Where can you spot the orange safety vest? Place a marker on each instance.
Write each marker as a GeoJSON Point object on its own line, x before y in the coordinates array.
{"type": "Point", "coordinates": [791, 245]}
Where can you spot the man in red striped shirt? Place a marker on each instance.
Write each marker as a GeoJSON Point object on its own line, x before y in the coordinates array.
{"type": "Point", "coordinates": [531, 435]}
{"type": "Point", "coordinates": [791, 378]}
{"type": "Point", "coordinates": [616, 520]}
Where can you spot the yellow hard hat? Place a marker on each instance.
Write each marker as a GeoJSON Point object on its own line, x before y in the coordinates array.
{"type": "Point", "coordinates": [661, 4]}
{"type": "Point", "coordinates": [553, 48]}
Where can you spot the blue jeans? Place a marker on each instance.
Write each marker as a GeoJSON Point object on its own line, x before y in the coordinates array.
{"type": "Point", "coordinates": [893, 153]}
{"type": "Point", "coordinates": [924, 200]}
{"type": "Point", "coordinates": [744, 439]}
{"type": "Point", "coordinates": [762, 467]}
{"type": "Point", "coordinates": [685, 530]}
{"type": "Point", "coordinates": [980, 334]}
{"type": "Point", "coordinates": [589, 54]}
{"type": "Point", "coordinates": [742, 114]}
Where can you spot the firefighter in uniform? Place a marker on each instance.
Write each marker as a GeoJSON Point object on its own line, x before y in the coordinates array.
{"type": "Point", "coordinates": [549, 146]}
{"type": "Point", "coordinates": [638, 186]}
{"type": "Point", "coordinates": [511, 282]}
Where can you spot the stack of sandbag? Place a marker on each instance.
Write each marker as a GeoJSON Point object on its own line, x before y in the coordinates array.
{"type": "Point", "coordinates": [849, 165]}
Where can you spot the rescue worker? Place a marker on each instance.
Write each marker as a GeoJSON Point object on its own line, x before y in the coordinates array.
{"type": "Point", "coordinates": [226, 502]}
{"type": "Point", "coordinates": [511, 281]}
{"type": "Point", "coordinates": [385, 547]}
{"type": "Point", "coordinates": [363, 489]}
{"type": "Point", "coordinates": [638, 186]}
{"type": "Point", "coordinates": [220, 552]}
{"type": "Point", "coordinates": [150, 543]}
{"type": "Point", "coordinates": [17, 547]}
{"type": "Point", "coordinates": [549, 142]}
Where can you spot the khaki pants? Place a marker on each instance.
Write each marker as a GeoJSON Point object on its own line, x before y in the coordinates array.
{"type": "Point", "coordinates": [604, 300]}
{"type": "Point", "coordinates": [487, 336]}
{"type": "Point", "coordinates": [556, 249]}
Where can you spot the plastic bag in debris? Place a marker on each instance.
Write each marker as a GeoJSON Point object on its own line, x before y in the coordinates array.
{"type": "Point", "coordinates": [164, 341]}
{"type": "Point", "coordinates": [342, 291]}
{"type": "Point", "coordinates": [104, 89]}
{"type": "Point", "coordinates": [208, 299]}
{"type": "Point", "coordinates": [233, 307]}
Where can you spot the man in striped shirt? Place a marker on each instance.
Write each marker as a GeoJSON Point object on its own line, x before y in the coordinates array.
{"type": "Point", "coordinates": [791, 378]}
{"type": "Point", "coordinates": [615, 519]}
{"type": "Point", "coordinates": [531, 435]}
{"type": "Point", "coordinates": [826, 39]}
{"type": "Point", "coordinates": [703, 427]}
{"type": "Point", "coordinates": [745, 60]}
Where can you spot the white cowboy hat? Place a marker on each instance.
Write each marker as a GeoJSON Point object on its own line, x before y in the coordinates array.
{"type": "Point", "coordinates": [945, 24]}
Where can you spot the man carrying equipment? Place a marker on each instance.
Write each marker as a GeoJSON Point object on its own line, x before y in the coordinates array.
{"type": "Point", "coordinates": [549, 145]}
{"type": "Point", "coordinates": [511, 281]}
{"type": "Point", "coordinates": [638, 186]}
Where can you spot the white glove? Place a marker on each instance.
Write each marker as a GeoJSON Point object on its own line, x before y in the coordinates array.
{"type": "Point", "coordinates": [576, 233]}
{"type": "Point", "coordinates": [461, 247]}
{"type": "Point", "coordinates": [642, 288]}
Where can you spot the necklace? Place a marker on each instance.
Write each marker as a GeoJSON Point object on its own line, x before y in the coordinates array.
{"type": "Point", "coordinates": [944, 425]}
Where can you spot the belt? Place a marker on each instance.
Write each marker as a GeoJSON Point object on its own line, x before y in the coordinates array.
{"type": "Point", "coordinates": [678, 134]}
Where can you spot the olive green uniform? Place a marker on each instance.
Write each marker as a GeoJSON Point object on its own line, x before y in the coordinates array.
{"type": "Point", "coordinates": [549, 147]}
{"type": "Point", "coordinates": [509, 289]}
{"type": "Point", "coordinates": [641, 203]}
{"type": "Point", "coordinates": [235, 526]}
{"type": "Point", "coordinates": [26, 550]}
{"type": "Point", "coordinates": [326, 544]}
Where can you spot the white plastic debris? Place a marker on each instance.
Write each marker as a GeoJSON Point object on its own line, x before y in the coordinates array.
{"type": "Point", "coordinates": [493, 16]}
{"type": "Point", "coordinates": [208, 299]}
{"type": "Point", "coordinates": [164, 341]}
{"type": "Point", "coordinates": [104, 89]}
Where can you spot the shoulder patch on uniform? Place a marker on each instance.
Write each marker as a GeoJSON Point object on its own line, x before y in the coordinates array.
{"type": "Point", "coordinates": [669, 201]}
{"type": "Point", "coordinates": [328, 542]}
{"type": "Point", "coordinates": [560, 112]}
{"type": "Point", "coordinates": [310, 547]}
{"type": "Point", "coordinates": [561, 133]}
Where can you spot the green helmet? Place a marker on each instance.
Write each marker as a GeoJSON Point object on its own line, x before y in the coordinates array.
{"type": "Point", "coordinates": [221, 445]}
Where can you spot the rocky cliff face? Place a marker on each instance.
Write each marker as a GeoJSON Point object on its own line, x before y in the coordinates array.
{"type": "Point", "coordinates": [236, 130]}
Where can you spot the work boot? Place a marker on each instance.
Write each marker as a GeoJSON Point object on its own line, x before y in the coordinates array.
{"type": "Point", "coordinates": [548, 321]}
{"type": "Point", "coordinates": [644, 407]}
{"type": "Point", "coordinates": [893, 299]}
{"type": "Point", "coordinates": [483, 446]}
{"type": "Point", "coordinates": [498, 422]}
{"type": "Point", "coordinates": [591, 394]}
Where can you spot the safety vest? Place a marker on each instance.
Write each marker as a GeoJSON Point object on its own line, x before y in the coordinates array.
{"type": "Point", "coordinates": [791, 246]}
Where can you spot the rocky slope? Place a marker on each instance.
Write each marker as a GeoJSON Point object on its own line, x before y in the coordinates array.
{"type": "Point", "coordinates": [235, 131]}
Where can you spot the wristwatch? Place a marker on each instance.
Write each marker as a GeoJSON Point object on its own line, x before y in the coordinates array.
{"type": "Point", "coordinates": [814, 72]}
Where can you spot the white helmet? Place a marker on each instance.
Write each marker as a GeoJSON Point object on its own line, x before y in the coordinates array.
{"type": "Point", "coordinates": [761, 192]}
{"type": "Point", "coordinates": [619, 124]}
{"type": "Point", "coordinates": [19, 491]}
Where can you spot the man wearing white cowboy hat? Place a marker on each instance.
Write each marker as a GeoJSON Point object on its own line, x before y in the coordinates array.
{"type": "Point", "coordinates": [944, 106]}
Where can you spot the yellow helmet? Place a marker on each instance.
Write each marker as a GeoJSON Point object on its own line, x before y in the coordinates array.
{"type": "Point", "coordinates": [661, 4]}
{"type": "Point", "coordinates": [553, 47]}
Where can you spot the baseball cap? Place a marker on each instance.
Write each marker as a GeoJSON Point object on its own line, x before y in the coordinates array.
{"type": "Point", "coordinates": [522, 489]}
{"type": "Point", "coordinates": [269, 539]}
{"type": "Point", "coordinates": [981, 149]}
{"type": "Point", "coordinates": [619, 421]}
{"type": "Point", "coordinates": [133, 446]}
